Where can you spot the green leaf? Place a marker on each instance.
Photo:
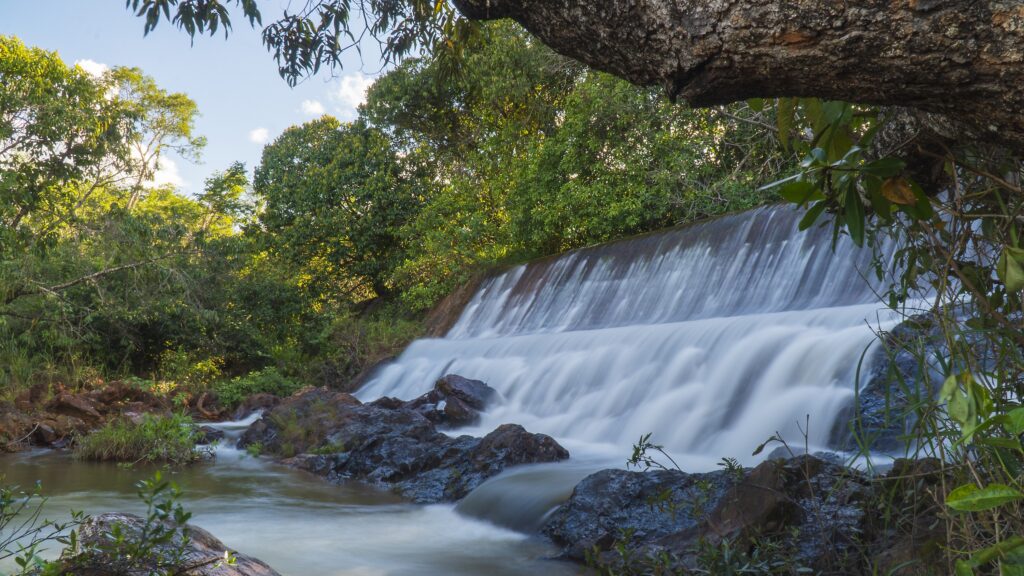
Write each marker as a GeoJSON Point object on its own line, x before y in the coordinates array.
{"type": "Point", "coordinates": [812, 215]}
{"type": "Point", "coordinates": [800, 192]}
{"type": "Point", "coordinates": [964, 568]}
{"type": "Point", "coordinates": [996, 442]}
{"type": "Point", "coordinates": [1011, 268]}
{"type": "Point", "coordinates": [971, 498]}
{"type": "Point", "coordinates": [1014, 422]}
{"type": "Point", "coordinates": [756, 104]}
{"type": "Point", "coordinates": [855, 217]}
{"type": "Point", "coordinates": [884, 167]}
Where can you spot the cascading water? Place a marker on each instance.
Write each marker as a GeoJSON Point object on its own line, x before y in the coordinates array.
{"type": "Point", "coordinates": [711, 337]}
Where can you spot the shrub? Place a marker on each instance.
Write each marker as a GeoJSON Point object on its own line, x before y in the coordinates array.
{"type": "Point", "coordinates": [230, 393]}
{"type": "Point", "coordinates": [152, 439]}
{"type": "Point", "coordinates": [23, 532]}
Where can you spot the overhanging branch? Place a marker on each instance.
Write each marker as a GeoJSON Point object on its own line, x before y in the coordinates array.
{"type": "Point", "coordinates": [958, 62]}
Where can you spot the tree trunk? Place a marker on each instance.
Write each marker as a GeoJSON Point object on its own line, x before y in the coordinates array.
{"type": "Point", "coordinates": [959, 63]}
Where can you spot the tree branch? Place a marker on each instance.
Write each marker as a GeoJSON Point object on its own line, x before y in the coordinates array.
{"type": "Point", "coordinates": [958, 63]}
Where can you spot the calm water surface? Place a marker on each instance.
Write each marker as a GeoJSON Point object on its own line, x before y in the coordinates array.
{"type": "Point", "coordinates": [295, 522]}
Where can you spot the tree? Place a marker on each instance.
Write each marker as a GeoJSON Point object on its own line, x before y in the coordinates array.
{"type": "Point", "coordinates": [334, 197]}
{"type": "Point", "coordinates": [224, 197]}
{"type": "Point", "coordinates": [318, 34]}
{"type": "Point", "coordinates": [55, 126]}
{"type": "Point", "coordinates": [958, 59]}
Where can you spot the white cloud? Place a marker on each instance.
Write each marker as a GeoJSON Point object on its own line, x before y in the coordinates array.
{"type": "Point", "coordinates": [350, 92]}
{"type": "Point", "coordinates": [167, 173]}
{"type": "Point", "coordinates": [92, 67]}
{"type": "Point", "coordinates": [312, 108]}
{"type": "Point", "coordinates": [259, 135]}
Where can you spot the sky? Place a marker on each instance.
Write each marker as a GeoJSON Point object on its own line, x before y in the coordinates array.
{"type": "Point", "coordinates": [243, 102]}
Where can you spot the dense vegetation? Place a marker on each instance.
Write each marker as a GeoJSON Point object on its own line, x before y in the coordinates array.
{"type": "Point", "coordinates": [347, 232]}
{"type": "Point", "coordinates": [149, 439]}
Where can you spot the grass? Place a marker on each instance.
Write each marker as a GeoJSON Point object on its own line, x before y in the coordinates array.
{"type": "Point", "coordinates": [151, 439]}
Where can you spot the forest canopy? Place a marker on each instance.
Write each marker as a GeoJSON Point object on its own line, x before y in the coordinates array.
{"type": "Point", "coordinates": [105, 274]}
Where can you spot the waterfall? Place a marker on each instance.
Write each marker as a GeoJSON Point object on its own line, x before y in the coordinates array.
{"type": "Point", "coordinates": [711, 337]}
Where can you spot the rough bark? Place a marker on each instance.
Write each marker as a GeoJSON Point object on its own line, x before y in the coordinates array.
{"type": "Point", "coordinates": [959, 63]}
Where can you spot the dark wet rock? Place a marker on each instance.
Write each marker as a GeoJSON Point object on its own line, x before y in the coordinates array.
{"type": "Point", "coordinates": [786, 452]}
{"type": "Point", "coordinates": [253, 404]}
{"type": "Point", "coordinates": [812, 508]}
{"type": "Point", "coordinates": [904, 373]}
{"type": "Point", "coordinates": [202, 553]}
{"type": "Point", "coordinates": [474, 393]}
{"type": "Point", "coordinates": [458, 413]}
{"type": "Point", "coordinates": [393, 446]}
{"type": "Point", "coordinates": [898, 380]}
{"type": "Point", "coordinates": [207, 435]}
{"type": "Point", "coordinates": [650, 506]}
{"type": "Point", "coordinates": [455, 401]}
{"type": "Point", "coordinates": [388, 402]}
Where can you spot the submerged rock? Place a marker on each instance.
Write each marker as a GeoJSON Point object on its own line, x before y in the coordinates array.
{"type": "Point", "coordinates": [203, 553]}
{"type": "Point", "coordinates": [810, 508]}
{"type": "Point", "coordinates": [390, 444]}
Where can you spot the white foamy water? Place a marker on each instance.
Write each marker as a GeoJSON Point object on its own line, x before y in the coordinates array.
{"type": "Point", "coordinates": [712, 338]}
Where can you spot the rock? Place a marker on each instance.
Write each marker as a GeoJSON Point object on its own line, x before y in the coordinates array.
{"type": "Point", "coordinates": [651, 506]}
{"type": "Point", "coordinates": [202, 552]}
{"type": "Point", "coordinates": [15, 427]}
{"type": "Point", "coordinates": [903, 373]}
{"type": "Point", "coordinates": [117, 397]}
{"type": "Point", "coordinates": [253, 404]}
{"type": "Point", "coordinates": [811, 508]}
{"type": "Point", "coordinates": [78, 405]}
{"type": "Point", "coordinates": [474, 393]}
{"type": "Point", "coordinates": [759, 505]}
{"type": "Point", "coordinates": [457, 413]}
{"type": "Point", "coordinates": [455, 401]}
{"type": "Point", "coordinates": [912, 540]}
{"type": "Point", "coordinates": [208, 435]}
{"type": "Point", "coordinates": [390, 445]}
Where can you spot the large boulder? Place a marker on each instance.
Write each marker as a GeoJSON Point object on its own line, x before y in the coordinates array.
{"type": "Point", "coordinates": [203, 554]}
{"type": "Point", "coordinates": [645, 508]}
{"type": "Point", "coordinates": [810, 508]}
{"type": "Point", "coordinates": [390, 444]}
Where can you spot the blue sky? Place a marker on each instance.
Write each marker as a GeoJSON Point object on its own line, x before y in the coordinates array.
{"type": "Point", "coordinates": [243, 101]}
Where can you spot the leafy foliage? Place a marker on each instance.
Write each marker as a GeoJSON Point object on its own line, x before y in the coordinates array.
{"type": "Point", "coordinates": [230, 393]}
{"type": "Point", "coordinates": [23, 531]}
{"type": "Point", "coordinates": [151, 439]}
{"type": "Point", "coordinates": [957, 230]}
{"type": "Point", "coordinates": [321, 32]}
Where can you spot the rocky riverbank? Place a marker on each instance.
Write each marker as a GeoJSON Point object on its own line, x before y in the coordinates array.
{"type": "Point", "coordinates": [53, 418]}
{"type": "Point", "coordinates": [397, 445]}
{"type": "Point", "coordinates": [801, 514]}
{"type": "Point", "coordinates": [791, 513]}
